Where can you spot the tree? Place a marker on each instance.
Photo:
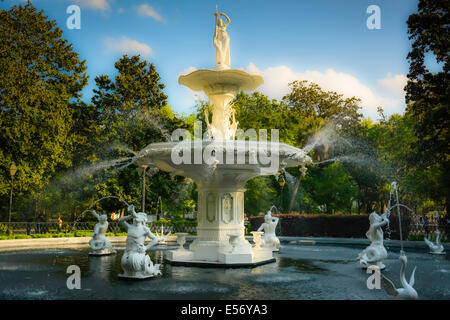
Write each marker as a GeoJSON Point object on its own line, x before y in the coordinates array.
{"type": "Point", "coordinates": [331, 187]}
{"type": "Point", "coordinates": [134, 113]}
{"type": "Point", "coordinates": [428, 93]}
{"type": "Point", "coordinates": [40, 76]}
{"type": "Point", "coordinates": [309, 100]}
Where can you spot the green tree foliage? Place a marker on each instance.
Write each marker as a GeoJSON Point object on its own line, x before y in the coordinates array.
{"type": "Point", "coordinates": [427, 92]}
{"type": "Point", "coordinates": [309, 100]}
{"type": "Point", "coordinates": [40, 77]}
{"type": "Point", "coordinates": [300, 117]}
{"type": "Point", "coordinates": [134, 113]}
{"type": "Point", "coordinates": [331, 188]}
{"type": "Point", "coordinates": [261, 194]}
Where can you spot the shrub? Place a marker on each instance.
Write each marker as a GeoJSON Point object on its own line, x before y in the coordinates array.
{"type": "Point", "coordinates": [325, 225]}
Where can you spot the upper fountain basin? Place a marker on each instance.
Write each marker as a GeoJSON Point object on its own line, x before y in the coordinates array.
{"type": "Point", "coordinates": [222, 162]}
{"type": "Point", "coordinates": [213, 82]}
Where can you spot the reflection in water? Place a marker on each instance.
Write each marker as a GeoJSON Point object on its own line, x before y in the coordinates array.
{"type": "Point", "coordinates": [101, 266]}
{"type": "Point", "coordinates": [302, 265]}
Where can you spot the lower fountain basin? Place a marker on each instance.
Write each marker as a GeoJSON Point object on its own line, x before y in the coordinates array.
{"type": "Point", "coordinates": [300, 272]}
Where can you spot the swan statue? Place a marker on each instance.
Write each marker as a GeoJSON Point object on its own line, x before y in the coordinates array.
{"type": "Point", "coordinates": [405, 293]}
{"type": "Point", "coordinates": [435, 247]}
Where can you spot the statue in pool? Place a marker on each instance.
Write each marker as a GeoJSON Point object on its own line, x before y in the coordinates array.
{"type": "Point", "coordinates": [376, 252]}
{"type": "Point", "coordinates": [135, 262]}
{"type": "Point", "coordinates": [222, 42]}
{"type": "Point", "coordinates": [269, 239]}
{"type": "Point", "coordinates": [99, 244]}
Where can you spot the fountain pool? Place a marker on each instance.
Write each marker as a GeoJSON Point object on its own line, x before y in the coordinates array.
{"type": "Point", "coordinates": [300, 272]}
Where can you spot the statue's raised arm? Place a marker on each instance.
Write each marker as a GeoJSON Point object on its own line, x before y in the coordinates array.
{"type": "Point", "coordinates": [94, 213]}
{"type": "Point", "coordinates": [123, 220]}
{"type": "Point", "coordinates": [226, 17]}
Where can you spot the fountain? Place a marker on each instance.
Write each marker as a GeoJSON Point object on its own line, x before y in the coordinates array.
{"type": "Point", "coordinates": [162, 238]}
{"type": "Point", "coordinates": [99, 244]}
{"type": "Point", "coordinates": [435, 247]}
{"type": "Point", "coordinates": [92, 205]}
{"type": "Point", "coordinates": [270, 240]}
{"type": "Point", "coordinates": [221, 166]}
{"type": "Point", "coordinates": [407, 292]}
{"type": "Point", "coordinates": [374, 254]}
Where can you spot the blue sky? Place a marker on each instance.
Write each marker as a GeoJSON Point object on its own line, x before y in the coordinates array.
{"type": "Point", "coordinates": [324, 41]}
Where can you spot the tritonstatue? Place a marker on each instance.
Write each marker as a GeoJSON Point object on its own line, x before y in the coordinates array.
{"type": "Point", "coordinates": [135, 262]}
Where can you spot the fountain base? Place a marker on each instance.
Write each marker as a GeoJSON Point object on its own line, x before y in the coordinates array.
{"type": "Point", "coordinates": [136, 277]}
{"type": "Point", "coordinates": [104, 252]}
{"type": "Point", "coordinates": [224, 260]}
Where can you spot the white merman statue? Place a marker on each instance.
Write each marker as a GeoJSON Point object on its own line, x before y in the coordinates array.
{"type": "Point", "coordinates": [135, 262]}
{"type": "Point", "coordinates": [269, 239]}
{"type": "Point", "coordinates": [376, 252]}
{"type": "Point", "coordinates": [99, 244]}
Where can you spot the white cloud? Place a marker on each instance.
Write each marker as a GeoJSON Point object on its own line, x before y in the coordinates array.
{"type": "Point", "coordinates": [276, 80]}
{"type": "Point", "coordinates": [126, 45]}
{"type": "Point", "coordinates": [187, 71]}
{"type": "Point", "coordinates": [146, 10]}
{"type": "Point", "coordinates": [195, 95]}
{"type": "Point", "coordinates": [394, 85]}
{"type": "Point", "coordinates": [94, 4]}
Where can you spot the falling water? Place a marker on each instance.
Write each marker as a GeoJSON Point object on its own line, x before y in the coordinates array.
{"type": "Point", "coordinates": [93, 204]}
{"type": "Point", "coordinates": [91, 169]}
{"type": "Point", "coordinates": [291, 180]}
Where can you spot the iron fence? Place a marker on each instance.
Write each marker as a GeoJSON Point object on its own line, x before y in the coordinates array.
{"type": "Point", "coordinates": [36, 228]}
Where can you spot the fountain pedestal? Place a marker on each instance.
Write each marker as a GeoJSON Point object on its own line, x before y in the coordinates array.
{"type": "Point", "coordinates": [221, 213]}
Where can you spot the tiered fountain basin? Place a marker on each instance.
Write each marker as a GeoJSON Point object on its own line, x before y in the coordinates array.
{"type": "Point", "coordinates": [221, 86]}
{"type": "Point", "coordinates": [220, 170]}
{"type": "Point", "coordinates": [221, 81]}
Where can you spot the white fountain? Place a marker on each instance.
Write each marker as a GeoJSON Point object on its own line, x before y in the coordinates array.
{"type": "Point", "coordinates": [162, 238]}
{"type": "Point", "coordinates": [407, 292]}
{"type": "Point", "coordinates": [436, 247]}
{"type": "Point", "coordinates": [269, 240]}
{"type": "Point", "coordinates": [221, 165]}
{"type": "Point", "coordinates": [136, 264]}
{"type": "Point", "coordinates": [99, 244]}
{"type": "Point", "coordinates": [374, 254]}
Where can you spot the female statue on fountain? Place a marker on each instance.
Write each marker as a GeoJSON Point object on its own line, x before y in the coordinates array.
{"type": "Point", "coordinates": [135, 262]}
{"type": "Point", "coordinates": [376, 252]}
{"type": "Point", "coordinates": [99, 243]}
{"type": "Point", "coordinates": [222, 42]}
